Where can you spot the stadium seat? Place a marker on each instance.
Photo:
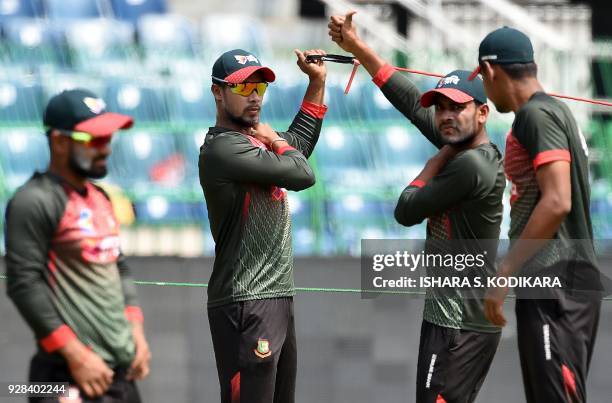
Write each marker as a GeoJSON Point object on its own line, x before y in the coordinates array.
{"type": "Point", "coordinates": [302, 223]}
{"type": "Point", "coordinates": [34, 44]}
{"type": "Point", "coordinates": [405, 152]}
{"type": "Point", "coordinates": [223, 32]}
{"type": "Point", "coordinates": [354, 216]}
{"type": "Point", "coordinates": [60, 10]}
{"type": "Point", "coordinates": [22, 152]}
{"type": "Point", "coordinates": [347, 157]}
{"type": "Point", "coordinates": [20, 101]}
{"type": "Point", "coordinates": [188, 144]}
{"type": "Point", "coordinates": [133, 10]}
{"type": "Point", "coordinates": [159, 209]}
{"type": "Point", "coordinates": [166, 35]}
{"type": "Point", "coordinates": [19, 8]}
{"type": "Point", "coordinates": [343, 108]}
{"type": "Point", "coordinates": [281, 103]}
{"type": "Point", "coordinates": [142, 161]}
{"type": "Point", "coordinates": [145, 103]}
{"type": "Point", "coordinates": [374, 105]}
{"type": "Point", "coordinates": [191, 101]}
{"type": "Point", "coordinates": [100, 44]}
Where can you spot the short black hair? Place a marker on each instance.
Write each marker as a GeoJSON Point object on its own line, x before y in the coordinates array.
{"type": "Point", "coordinates": [519, 71]}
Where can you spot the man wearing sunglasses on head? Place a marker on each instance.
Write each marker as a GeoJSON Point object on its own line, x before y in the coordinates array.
{"type": "Point", "coordinates": [245, 167]}
{"type": "Point", "coordinates": [65, 271]}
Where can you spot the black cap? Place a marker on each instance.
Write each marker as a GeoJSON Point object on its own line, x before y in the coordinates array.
{"type": "Point", "coordinates": [81, 110]}
{"type": "Point", "coordinates": [456, 86]}
{"type": "Point", "coordinates": [504, 46]}
{"type": "Point", "coordinates": [237, 65]}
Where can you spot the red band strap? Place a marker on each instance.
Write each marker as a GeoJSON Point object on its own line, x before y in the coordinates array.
{"type": "Point", "coordinates": [315, 110]}
{"type": "Point", "coordinates": [418, 183]}
{"type": "Point", "coordinates": [235, 388]}
{"type": "Point", "coordinates": [57, 339]}
{"type": "Point", "coordinates": [551, 155]}
{"type": "Point", "coordinates": [134, 314]}
{"type": "Point", "coordinates": [282, 149]}
{"type": "Point", "coordinates": [383, 75]}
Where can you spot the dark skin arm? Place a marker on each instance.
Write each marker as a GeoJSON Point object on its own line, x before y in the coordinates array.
{"type": "Point", "coordinates": [550, 211]}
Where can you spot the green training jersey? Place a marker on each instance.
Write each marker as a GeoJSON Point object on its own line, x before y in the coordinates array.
{"type": "Point", "coordinates": [462, 205]}
{"type": "Point", "coordinates": [245, 185]}
{"type": "Point", "coordinates": [65, 272]}
{"type": "Point", "coordinates": [544, 131]}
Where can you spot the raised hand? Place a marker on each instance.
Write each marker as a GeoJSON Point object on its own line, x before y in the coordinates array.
{"type": "Point", "coordinates": [314, 71]}
{"type": "Point", "coordinates": [343, 31]}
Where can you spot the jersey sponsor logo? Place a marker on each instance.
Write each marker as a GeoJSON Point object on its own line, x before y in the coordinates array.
{"type": "Point", "coordinates": [278, 194]}
{"type": "Point", "coordinates": [95, 105]}
{"type": "Point", "coordinates": [102, 251]}
{"type": "Point", "coordinates": [85, 222]}
{"type": "Point", "coordinates": [448, 80]}
{"type": "Point", "coordinates": [245, 59]}
{"type": "Point", "coordinates": [263, 348]}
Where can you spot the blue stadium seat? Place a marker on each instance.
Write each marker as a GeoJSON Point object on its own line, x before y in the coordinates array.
{"type": "Point", "coordinates": [282, 102]}
{"type": "Point", "coordinates": [374, 105]}
{"type": "Point", "coordinates": [166, 35]}
{"type": "Point", "coordinates": [132, 10]}
{"type": "Point", "coordinates": [404, 153]}
{"type": "Point", "coordinates": [354, 216]}
{"type": "Point", "coordinates": [192, 102]}
{"type": "Point", "coordinates": [159, 209]}
{"type": "Point", "coordinates": [22, 152]}
{"type": "Point", "coordinates": [188, 144]}
{"type": "Point", "coordinates": [142, 161]}
{"type": "Point", "coordinates": [347, 157]}
{"type": "Point", "coordinates": [20, 101]}
{"type": "Point", "coordinates": [19, 8]}
{"type": "Point", "coordinates": [343, 108]}
{"type": "Point", "coordinates": [303, 232]}
{"type": "Point", "coordinates": [145, 103]}
{"type": "Point", "coordinates": [97, 43]}
{"type": "Point", "coordinates": [222, 32]}
{"type": "Point", "coordinates": [33, 43]}
{"type": "Point", "coordinates": [74, 9]}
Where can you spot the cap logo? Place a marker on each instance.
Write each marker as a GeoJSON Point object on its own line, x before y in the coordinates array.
{"type": "Point", "coordinates": [489, 57]}
{"type": "Point", "coordinates": [448, 80]}
{"type": "Point", "coordinates": [95, 105]}
{"type": "Point", "coordinates": [244, 59]}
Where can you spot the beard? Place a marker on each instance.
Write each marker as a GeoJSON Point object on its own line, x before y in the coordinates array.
{"type": "Point", "coordinates": [460, 139]}
{"type": "Point", "coordinates": [84, 166]}
{"type": "Point", "coordinates": [242, 121]}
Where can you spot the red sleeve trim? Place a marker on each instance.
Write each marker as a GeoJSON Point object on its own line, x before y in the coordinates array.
{"type": "Point", "coordinates": [418, 183]}
{"type": "Point", "coordinates": [57, 339]}
{"type": "Point", "coordinates": [315, 110]}
{"type": "Point", "coordinates": [283, 149]}
{"type": "Point", "coordinates": [134, 314]}
{"type": "Point", "coordinates": [551, 155]}
{"type": "Point", "coordinates": [383, 75]}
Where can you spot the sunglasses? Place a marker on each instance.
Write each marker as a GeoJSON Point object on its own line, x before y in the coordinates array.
{"type": "Point", "coordinates": [245, 89]}
{"type": "Point", "coordinates": [86, 139]}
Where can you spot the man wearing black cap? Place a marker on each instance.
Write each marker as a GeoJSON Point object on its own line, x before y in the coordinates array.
{"type": "Point", "coordinates": [245, 168]}
{"type": "Point", "coordinates": [65, 271]}
{"type": "Point", "coordinates": [460, 193]}
{"type": "Point", "coordinates": [550, 228]}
